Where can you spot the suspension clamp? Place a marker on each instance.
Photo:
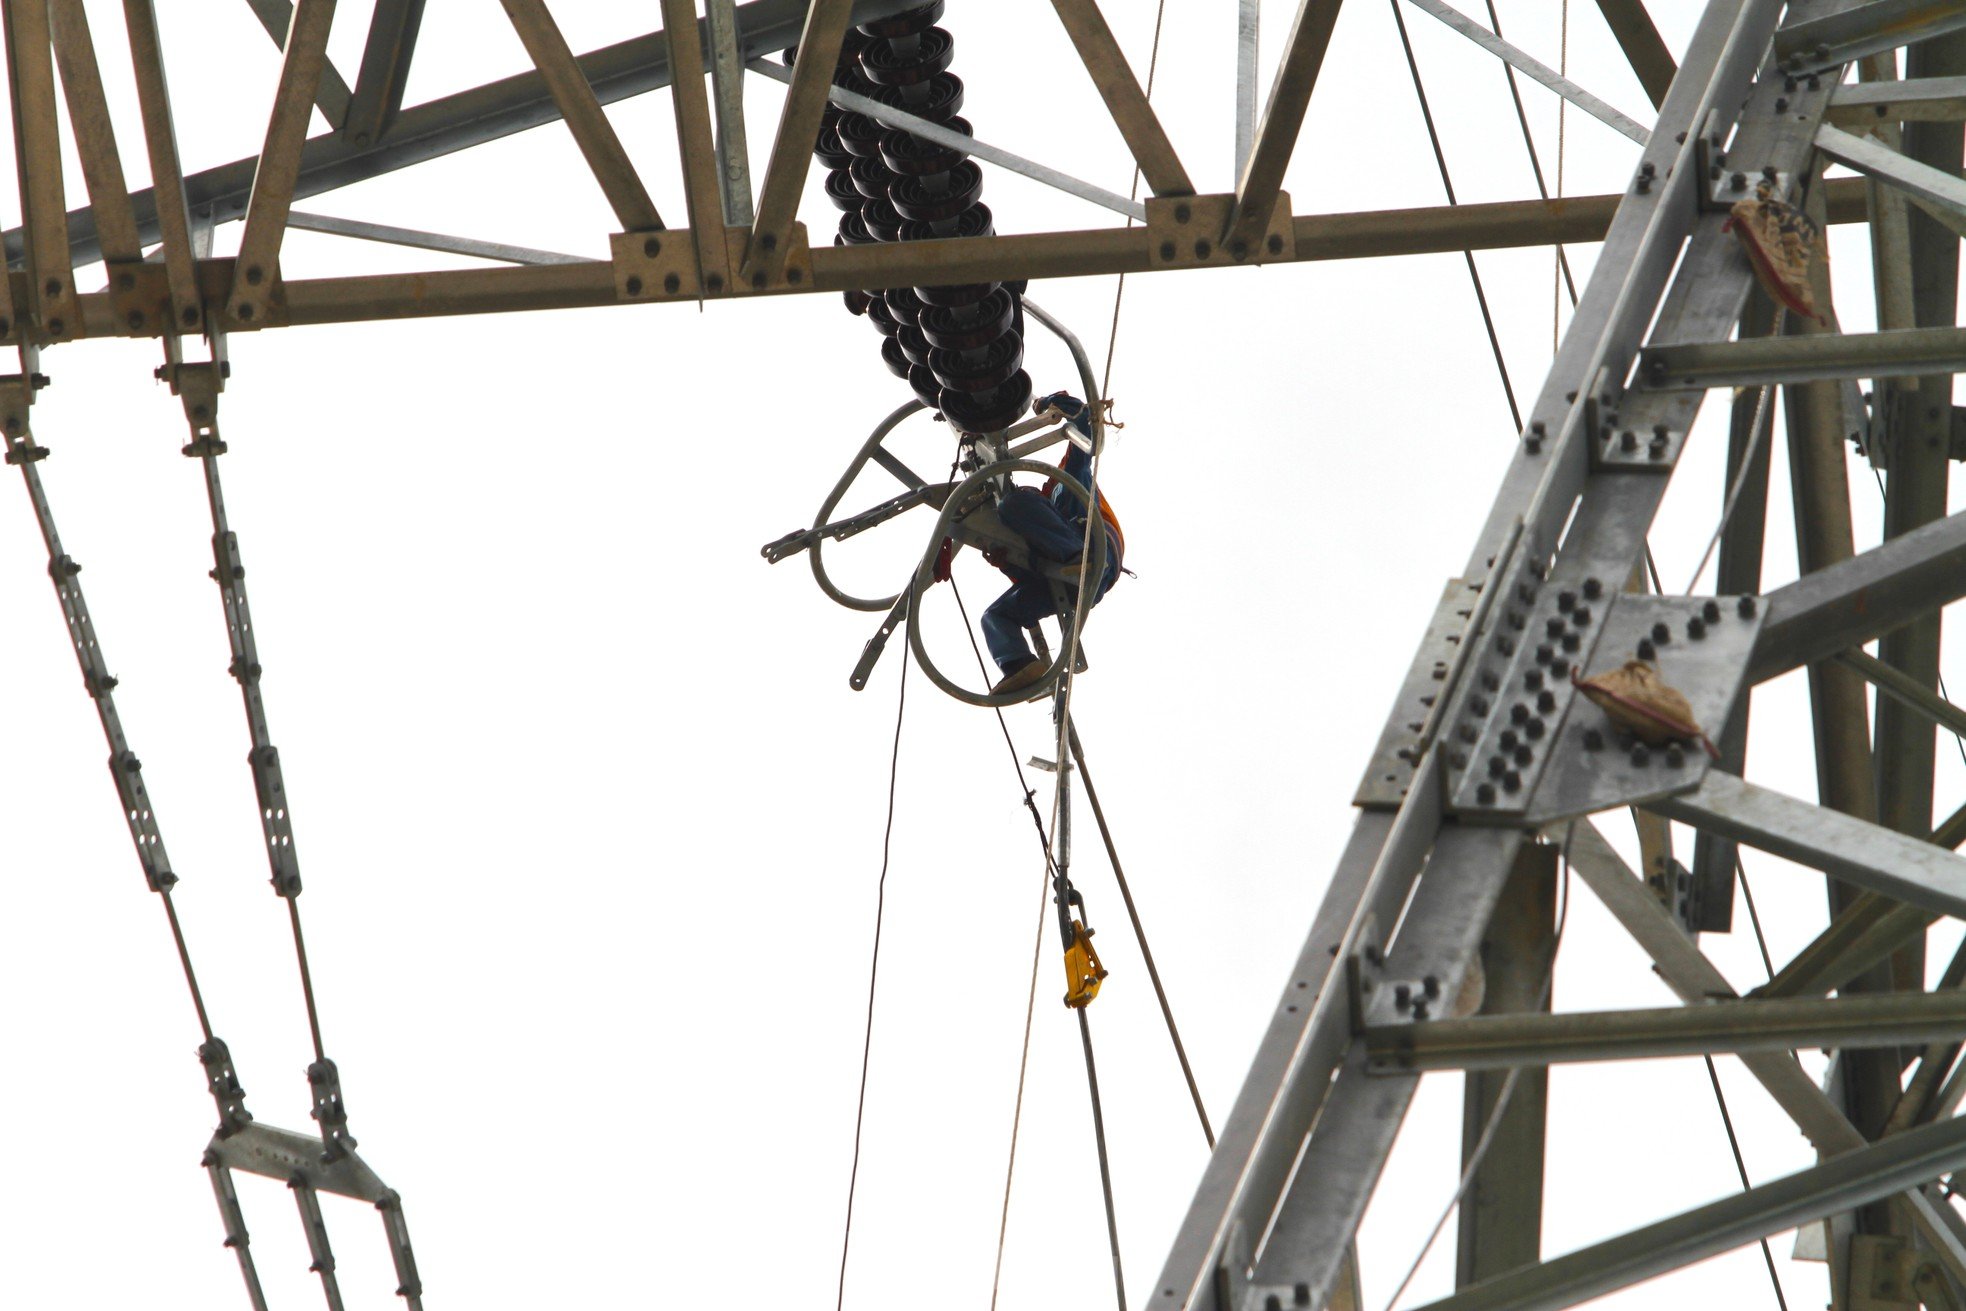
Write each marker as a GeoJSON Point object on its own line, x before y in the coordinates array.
{"type": "Point", "coordinates": [224, 1084]}
{"type": "Point", "coordinates": [329, 1110]}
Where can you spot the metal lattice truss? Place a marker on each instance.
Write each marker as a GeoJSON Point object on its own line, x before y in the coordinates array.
{"type": "Point", "coordinates": [737, 243]}
{"type": "Point", "coordinates": [1491, 762]}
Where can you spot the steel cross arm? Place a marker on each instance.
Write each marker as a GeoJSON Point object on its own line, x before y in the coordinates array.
{"type": "Point", "coordinates": [1283, 117]}
{"type": "Point", "coordinates": [1900, 353]}
{"type": "Point", "coordinates": [1867, 931]}
{"type": "Point", "coordinates": [1917, 100]}
{"type": "Point", "coordinates": [1493, 1042]}
{"type": "Point", "coordinates": [1831, 610]}
{"type": "Point", "coordinates": [170, 218]}
{"type": "Point", "coordinates": [1874, 159]}
{"type": "Point", "coordinates": [1125, 101]}
{"type": "Point", "coordinates": [385, 70]}
{"type": "Point", "coordinates": [1644, 51]}
{"type": "Point", "coordinates": [1852, 1179]}
{"type": "Point", "coordinates": [942, 136]}
{"type": "Point", "coordinates": [332, 96]}
{"type": "Point", "coordinates": [1908, 691]}
{"type": "Point", "coordinates": [1542, 72]}
{"type": "Point", "coordinates": [1362, 235]}
{"type": "Point", "coordinates": [1879, 859]}
{"type": "Point", "coordinates": [469, 118]}
{"type": "Point", "coordinates": [279, 159]}
{"type": "Point", "coordinates": [1695, 978]}
{"type": "Point", "coordinates": [94, 134]}
{"type": "Point", "coordinates": [798, 129]}
{"type": "Point", "coordinates": [581, 110]}
{"type": "Point", "coordinates": [1865, 29]}
{"type": "Point", "coordinates": [382, 232]}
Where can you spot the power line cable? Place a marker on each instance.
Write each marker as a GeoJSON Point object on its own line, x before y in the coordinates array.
{"type": "Point", "coordinates": [1529, 142]}
{"type": "Point", "coordinates": [1447, 182]}
{"type": "Point", "coordinates": [873, 977]}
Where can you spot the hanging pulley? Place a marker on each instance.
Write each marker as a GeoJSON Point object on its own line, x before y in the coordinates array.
{"type": "Point", "coordinates": [1083, 972]}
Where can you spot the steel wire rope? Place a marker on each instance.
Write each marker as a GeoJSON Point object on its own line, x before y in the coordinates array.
{"type": "Point", "coordinates": [1140, 934]}
{"type": "Point", "coordinates": [1720, 1098]}
{"type": "Point", "coordinates": [1447, 183]}
{"type": "Point", "coordinates": [873, 977]}
{"type": "Point", "coordinates": [1493, 1124]}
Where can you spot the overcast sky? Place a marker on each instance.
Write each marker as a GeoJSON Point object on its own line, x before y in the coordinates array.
{"type": "Point", "coordinates": [590, 820]}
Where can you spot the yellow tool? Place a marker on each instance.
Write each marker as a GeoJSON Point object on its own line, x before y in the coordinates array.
{"type": "Point", "coordinates": [1083, 972]}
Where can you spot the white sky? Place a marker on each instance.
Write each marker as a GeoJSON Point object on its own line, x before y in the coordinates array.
{"type": "Point", "coordinates": [590, 821]}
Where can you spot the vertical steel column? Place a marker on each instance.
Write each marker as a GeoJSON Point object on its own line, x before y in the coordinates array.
{"type": "Point", "coordinates": [1918, 429]}
{"type": "Point", "coordinates": [1501, 1216]}
{"type": "Point", "coordinates": [1738, 573]}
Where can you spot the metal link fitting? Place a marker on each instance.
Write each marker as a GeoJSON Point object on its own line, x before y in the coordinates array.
{"type": "Point", "coordinates": [330, 1112]}
{"type": "Point", "coordinates": [224, 1084]}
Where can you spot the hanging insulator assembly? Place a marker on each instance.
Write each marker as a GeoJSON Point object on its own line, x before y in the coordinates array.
{"type": "Point", "coordinates": [960, 348]}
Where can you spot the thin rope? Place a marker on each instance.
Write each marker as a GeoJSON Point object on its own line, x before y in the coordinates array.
{"type": "Point", "coordinates": [1133, 193]}
{"type": "Point", "coordinates": [1105, 1167]}
{"type": "Point", "coordinates": [873, 977]}
{"type": "Point", "coordinates": [1720, 1099]}
{"type": "Point", "coordinates": [1762, 425]}
{"type": "Point", "coordinates": [1529, 142]}
{"type": "Point", "coordinates": [1017, 1114]}
{"type": "Point", "coordinates": [1447, 182]}
{"type": "Point", "coordinates": [1037, 957]}
{"type": "Point", "coordinates": [1754, 916]}
{"type": "Point", "coordinates": [1494, 1122]}
{"type": "Point", "coordinates": [1140, 934]}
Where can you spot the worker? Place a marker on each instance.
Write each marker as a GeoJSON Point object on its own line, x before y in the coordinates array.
{"type": "Point", "coordinates": [1052, 523]}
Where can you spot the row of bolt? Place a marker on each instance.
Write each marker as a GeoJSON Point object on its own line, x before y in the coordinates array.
{"type": "Point", "coordinates": [1530, 716]}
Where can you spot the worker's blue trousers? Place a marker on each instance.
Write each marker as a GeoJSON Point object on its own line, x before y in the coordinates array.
{"type": "Point", "coordinates": [1052, 536]}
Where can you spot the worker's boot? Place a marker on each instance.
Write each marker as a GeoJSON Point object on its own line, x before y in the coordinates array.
{"type": "Point", "coordinates": [1024, 676]}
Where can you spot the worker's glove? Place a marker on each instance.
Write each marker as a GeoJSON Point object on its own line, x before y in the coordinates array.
{"type": "Point", "coordinates": [944, 559]}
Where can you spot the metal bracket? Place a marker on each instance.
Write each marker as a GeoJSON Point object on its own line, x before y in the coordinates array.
{"type": "Point", "coordinates": [223, 1081]}
{"type": "Point", "coordinates": [264, 306]}
{"type": "Point", "coordinates": [197, 385]}
{"type": "Point", "coordinates": [1883, 1271]}
{"type": "Point", "coordinates": [330, 1112]}
{"type": "Point", "coordinates": [1630, 448]}
{"type": "Point", "coordinates": [1701, 646]}
{"type": "Point", "coordinates": [284, 1155]}
{"type": "Point", "coordinates": [1184, 232]}
{"type": "Point", "coordinates": [654, 266]}
{"type": "Point", "coordinates": [661, 266]}
{"type": "Point", "coordinates": [140, 292]}
{"type": "Point", "coordinates": [773, 269]}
